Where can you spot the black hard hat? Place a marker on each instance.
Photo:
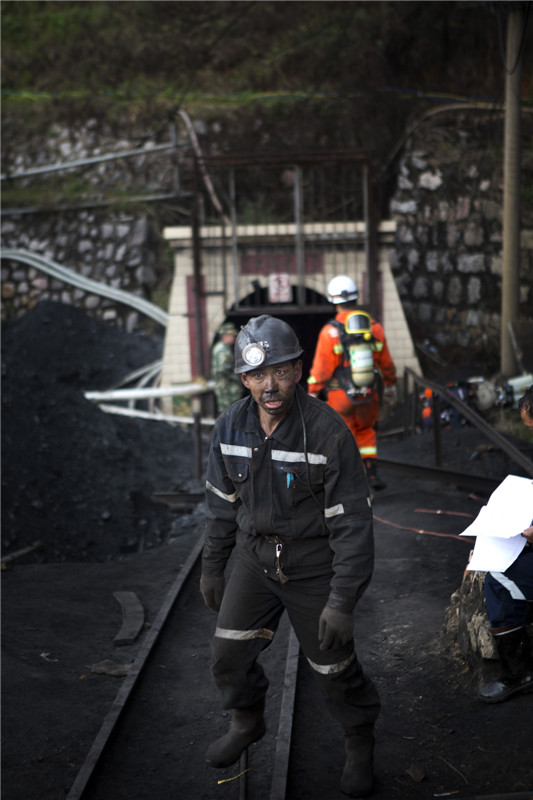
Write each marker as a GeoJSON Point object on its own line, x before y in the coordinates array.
{"type": "Point", "coordinates": [263, 342]}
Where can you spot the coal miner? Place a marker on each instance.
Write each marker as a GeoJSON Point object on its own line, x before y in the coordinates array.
{"type": "Point", "coordinates": [286, 489]}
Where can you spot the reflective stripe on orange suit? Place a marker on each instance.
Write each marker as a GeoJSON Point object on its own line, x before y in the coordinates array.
{"type": "Point", "coordinates": [361, 419]}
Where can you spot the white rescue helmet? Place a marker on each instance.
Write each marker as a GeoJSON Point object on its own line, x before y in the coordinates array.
{"type": "Point", "coordinates": [342, 289]}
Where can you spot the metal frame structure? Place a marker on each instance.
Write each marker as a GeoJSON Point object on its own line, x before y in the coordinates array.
{"type": "Point", "coordinates": [296, 161]}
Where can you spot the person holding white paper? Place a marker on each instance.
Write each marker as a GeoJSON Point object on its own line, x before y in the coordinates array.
{"type": "Point", "coordinates": [509, 601]}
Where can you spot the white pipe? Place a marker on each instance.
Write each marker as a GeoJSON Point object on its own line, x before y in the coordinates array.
{"type": "Point", "coordinates": [143, 394]}
{"type": "Point", "coordinates": [89, 285]}
{"type": "Point", "coordinates": [148, 370]}
{"type": "Point", "coordinates": [131, 412]}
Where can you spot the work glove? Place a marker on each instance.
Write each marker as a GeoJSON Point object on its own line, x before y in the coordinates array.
{"type": "Point", "coordinates": [390, 396]}
{"type": "Point", "coordinates": [335, 628]}
{"type": "Point", "coordinates": [212, 589]}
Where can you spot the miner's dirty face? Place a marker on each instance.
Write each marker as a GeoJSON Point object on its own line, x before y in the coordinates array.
{"type": "Point", "coordinates": [273, 387]}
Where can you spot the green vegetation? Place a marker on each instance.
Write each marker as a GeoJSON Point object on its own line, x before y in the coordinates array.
{"type": "Point", "coordinates": [276, 75]}
{"type": "Point", "coordinates": [146, 53]}
{"type": "Point", "coordinates": [507, 422]}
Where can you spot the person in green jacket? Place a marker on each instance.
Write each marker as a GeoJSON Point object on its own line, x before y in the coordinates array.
{"type": "Point", "coordinates": [228, 387]}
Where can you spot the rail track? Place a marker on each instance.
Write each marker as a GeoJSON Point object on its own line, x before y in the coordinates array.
{"type": "Point", "coordinates": [142, 700]}
{"type": "Point", "coordinates": [167, 710]}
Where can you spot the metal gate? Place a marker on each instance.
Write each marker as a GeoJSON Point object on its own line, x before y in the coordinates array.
{"type": "Point", "coordinates": [261, 225]}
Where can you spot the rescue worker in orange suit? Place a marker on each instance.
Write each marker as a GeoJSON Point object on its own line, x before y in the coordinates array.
{"type": "Point", "coordinates": [358, 407]}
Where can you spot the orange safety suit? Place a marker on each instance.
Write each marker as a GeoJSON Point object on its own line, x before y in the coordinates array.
{"type": "Point", "coordinates": [362, 417]}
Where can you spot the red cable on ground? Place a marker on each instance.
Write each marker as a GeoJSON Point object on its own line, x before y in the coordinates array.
{"type": "Point", "coordinates": [431, 533]}
{"type": "Point", "coordinates": [449, 513]}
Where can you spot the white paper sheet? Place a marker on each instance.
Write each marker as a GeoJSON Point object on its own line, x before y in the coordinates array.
{"type": "Point", "coordinates": [495, 554]}
{"type": "Point", "coordinates": [499, 525]}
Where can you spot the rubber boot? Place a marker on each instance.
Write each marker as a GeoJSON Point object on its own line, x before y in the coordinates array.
{"type": "Point", "coordinates": [372, 474]}
{"type": "Point", "coordinates": [514, 651]}
{"type": "Point", "coordinates": [246, 727]}
{"type": "Point", "coordinates": [358, 775]}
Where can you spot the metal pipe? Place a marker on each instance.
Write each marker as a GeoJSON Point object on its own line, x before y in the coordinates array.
{"type": "Point", "coordinates": [175, 173]}
{"type": "Point", "coordinates": [173, 419]}
{"type": "Point", "coordinates": [511, 190]}
{"type": "Point", "coordinates": [370, 240]}
{"type": "Point", "coordinates": [94, 287]}
{"type": "Point", "coordinates": [199, 367]}
{"type": "Point", "coordinates": [183, 390]}
{"type": "Point", "coordinates": [298, 210]}
{"type": "Point", "coordinates": [145, 198]}
{"type": "Point", "coordinates": [142, 372]}
{"type": "Point", "coordinates": [414, 410]}
{"type": "Point", "coordinates": [437, 434]}
{"type": "Point", "coordinates": [197, 446]}
{"type": "Point", "coordinates": [84, 162]}
{"type": "Point", "coordinates": [234, 250]}
{"type": "Point", "coordinates": [407, 404]}
{"type": "Point", "coordinates": [200, 164]}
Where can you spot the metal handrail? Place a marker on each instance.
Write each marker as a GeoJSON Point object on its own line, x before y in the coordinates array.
{"type": "Point", "coordinates": [497, 438]}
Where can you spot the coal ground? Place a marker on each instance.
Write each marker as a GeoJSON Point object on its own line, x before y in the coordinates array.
{"type": "Point", "coordinates": [80, 482]}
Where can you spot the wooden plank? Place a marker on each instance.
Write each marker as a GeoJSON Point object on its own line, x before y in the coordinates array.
{"type": "Point", "coordinates": [278, 787]}
{"type": "Point", "coordinates": [132, 617]}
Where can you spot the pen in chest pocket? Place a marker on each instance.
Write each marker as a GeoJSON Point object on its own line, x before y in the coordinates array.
{"type": "Point", "coordinates": [289, 477]}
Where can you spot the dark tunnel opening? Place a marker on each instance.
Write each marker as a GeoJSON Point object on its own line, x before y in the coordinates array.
{"type": "Point", "coordinates": [307, 326]}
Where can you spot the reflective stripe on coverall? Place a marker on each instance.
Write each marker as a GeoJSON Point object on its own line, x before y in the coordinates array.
{"type": "Point", "coordinates": [509, 594]}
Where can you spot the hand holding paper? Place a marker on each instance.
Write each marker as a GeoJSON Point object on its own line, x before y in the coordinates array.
{"type": "Point", "coordinates": [500, 524]}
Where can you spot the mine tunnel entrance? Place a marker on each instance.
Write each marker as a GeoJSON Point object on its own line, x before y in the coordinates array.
{"type": "Point", "coordinates": [306, 320]}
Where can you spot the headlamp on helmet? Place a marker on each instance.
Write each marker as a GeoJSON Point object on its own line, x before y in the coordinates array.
{"type": "Point", "coordinates": [265, 341]}
{"type": "Point", "coordinates": [253, 354]}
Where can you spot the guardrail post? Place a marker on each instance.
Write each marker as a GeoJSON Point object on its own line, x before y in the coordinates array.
{"type": "Point", "coordinates": [406, 406]}
{"type": "Point", "coordinates": [414, 409]}
{"type": "Point", "coordinates": [436, 429]}
{"type": "Point", "coordinates": [196, 404]}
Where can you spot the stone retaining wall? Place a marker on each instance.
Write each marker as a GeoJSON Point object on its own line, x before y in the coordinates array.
{"type": "Point", "coordinates": [120, 250]}
{"type": "Point", "coordinates": [123, 248]}
{"type": "Point", "coordinates": [448, 204]}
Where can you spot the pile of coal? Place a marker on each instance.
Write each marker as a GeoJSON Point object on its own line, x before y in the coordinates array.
{"type": "Point", "coordinates": [75, 478]}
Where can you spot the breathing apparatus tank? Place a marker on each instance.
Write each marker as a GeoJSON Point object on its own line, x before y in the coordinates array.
{"type": "Point", "coordinates": [357, 377]}
{"type": "Point", "coordinates": [358, 328]}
